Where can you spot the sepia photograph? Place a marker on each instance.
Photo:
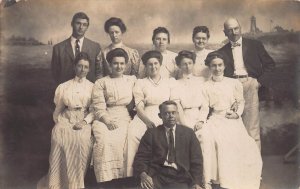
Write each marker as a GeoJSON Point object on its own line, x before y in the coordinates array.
{"type": "Point", "coordinates": [161, 94]}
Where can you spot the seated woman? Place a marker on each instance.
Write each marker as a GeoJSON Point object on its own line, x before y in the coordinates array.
{"type": "Point", "coordinates": [234, 158]}
{"type": "Point", "coordinates": [200, 39]}
{"type": "Point", "coordinates": [115, 28]}
{"type": "Point", "coordinates": [111, 95]}
{"type": "Point", "coordinates": [148, 93]}
{"type": "Point", "coordinates": [188, 91]}
{"type": "Point", "coordinates": [161, 40]}
{"type": "Point", "coordinates": [71, 144]}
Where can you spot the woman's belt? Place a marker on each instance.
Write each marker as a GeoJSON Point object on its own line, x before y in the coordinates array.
{"type": "Point", "coordinates": [83, 109]}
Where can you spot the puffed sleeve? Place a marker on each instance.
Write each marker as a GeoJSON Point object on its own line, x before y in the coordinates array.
{"type": "Point", "coordinates": [204, 110]}
{"type": "Point", "coordinates": [138, 93]}
{"type": "Point", "coordinates": [135, 60]}
{"type": "Point", "coordinates": [238, 95]}
{"type": "Point", "coordinates": [58, 101]}
{"type": "Point", "coordinates": [98, 99]}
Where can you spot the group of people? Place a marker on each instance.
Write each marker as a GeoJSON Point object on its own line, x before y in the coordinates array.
{"type": "Point", "coordinates": [172, 120]}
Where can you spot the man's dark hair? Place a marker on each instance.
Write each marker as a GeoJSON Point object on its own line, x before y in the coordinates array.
{"type": "Point", "coordinates": [166, 103]}
{"type": "Point", "coordinates": [81, 15]}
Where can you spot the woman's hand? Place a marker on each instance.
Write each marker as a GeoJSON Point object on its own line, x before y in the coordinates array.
{"type": "Point", "coordinates": [150, 124]}
{"type": "Point", "coordinates": [109, 123]}
{"type": "Point", "coordinates": [231, 115]}
{"type": "Point", "coordinates": [79, 125]}
{"type": "Point", "coordinates": [198, 125]}
{"type": "Point", "coordinates": [111, 126]}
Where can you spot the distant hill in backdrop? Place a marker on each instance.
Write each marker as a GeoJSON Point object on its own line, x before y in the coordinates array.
{"type": "Point", "coordinates": [22, 41]}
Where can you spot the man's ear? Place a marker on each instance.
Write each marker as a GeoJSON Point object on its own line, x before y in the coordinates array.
{"type": "Point", "coordinates": [159, 115]}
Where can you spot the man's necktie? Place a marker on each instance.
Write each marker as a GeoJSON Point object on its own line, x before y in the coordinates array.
{"type": "Point", "coordinates": [77, 47]}
{"type": "Point", "coordinates": [171, 154]}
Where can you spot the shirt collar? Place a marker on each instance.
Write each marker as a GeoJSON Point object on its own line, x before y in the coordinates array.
{"type": "Point", "coordinates": [167, 128]}
{"type": "Point", "coordinates": [155, 83]}
{"type": "Point", "coordinates": [73, 40]}
{"type": "Point", "coordinates": [78, 80]}
{"type": "Point", "coordinates": [238, 41]}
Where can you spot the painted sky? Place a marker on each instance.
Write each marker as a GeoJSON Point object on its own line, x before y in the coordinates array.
{"type": "Point", "coordinates": [50, 19]}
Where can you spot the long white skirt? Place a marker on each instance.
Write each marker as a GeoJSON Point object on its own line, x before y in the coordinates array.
{"type": "Point", "coordinates": [69, 156]}
{"type": "Point", "coordinates": [232, 157]}
{"type": "Point", "coordinates": [109, 152]}
{"type": "Point", "coordinates": [137, 129]}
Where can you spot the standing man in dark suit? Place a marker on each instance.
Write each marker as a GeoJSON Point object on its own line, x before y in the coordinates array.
{"type": "Point", "coordinates": [169, 156]}
{"type": "Point", "coordinates": [248, 61]}
{"type": "Point", "coordinates": [64, 53]}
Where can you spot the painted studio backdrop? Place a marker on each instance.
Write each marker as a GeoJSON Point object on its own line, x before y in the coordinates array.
{"type": "Point", "coordinates": [30, 28]}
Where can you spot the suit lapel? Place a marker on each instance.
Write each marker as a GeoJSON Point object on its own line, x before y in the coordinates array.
{"type": "Point", "coordinates": [69, 49]}
{"type": "Point", "coordinates": [178, 140]}
{"type": "Point", "coordinates": [84, 46]}
{"type": "Point", "coordinates": [163, 137]}
{"type": "Point", "coordinates": [244, 49]}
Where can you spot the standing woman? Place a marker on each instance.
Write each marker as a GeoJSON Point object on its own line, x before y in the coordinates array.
{"type": "Point", "coordinates": [234, 158]}
{"type": "Point", "coordinates": [148, 93]}
{"type": "Point", "coordinates": [110, 96]}
{"type": "Point", "coordinates": [200, 39]}
{"type": "Point", "coordinates": [71, 143]}
{"type": "Point", "coordinates": [115, 28]}
{"type": "Point", "coordinates": [161, 41]}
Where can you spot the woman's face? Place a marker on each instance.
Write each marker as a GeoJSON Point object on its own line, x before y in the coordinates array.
{"type": "Point", "coordinates": [152, 67]}
{"type": "Point", "coordinates": [82, 68]}
{"type": "Point", "coordinates": [161, 42]}
{"type": "Point", "coordinates": [115, 34]}
{"type": "Point", "coordinates": [200, 40]}
{"type": "Point", "coordinates": [186, 65]}
{"type": "Point", "coordinates": [217, 67]}
{"type": "Point", "coordinates": [117, 66]}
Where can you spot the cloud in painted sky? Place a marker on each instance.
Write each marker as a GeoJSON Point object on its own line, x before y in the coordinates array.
{"type": "Point", "coordinates": [50, 19]}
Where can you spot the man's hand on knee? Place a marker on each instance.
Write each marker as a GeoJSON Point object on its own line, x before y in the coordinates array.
{"type": "Point", "coordinates": [146, 181]}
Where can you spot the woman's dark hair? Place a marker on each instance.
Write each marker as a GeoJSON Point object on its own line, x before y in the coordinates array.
{"type": "Point", "coordinates": [185, 54]}
{"type": "Point", "coordinates": [152, 54]}
{"type": "Point", "coordinates": [80, 15]}
{"type": "Point", "coordinates": [113, 21]}
{"type": "Point", "coordinates": [82, 56]}
{"type": "Point", "coordinates": [202, 29]}
{"type": "Point", "coordinates": [117, 52]}
{"type": "Point", "coordinates": [213, 55]}
{"type": "Point", "coordinates": [160, 30]}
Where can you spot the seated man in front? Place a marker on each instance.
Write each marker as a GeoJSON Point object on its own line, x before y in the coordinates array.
{"type": "Point", "coordinates": [169, 156]}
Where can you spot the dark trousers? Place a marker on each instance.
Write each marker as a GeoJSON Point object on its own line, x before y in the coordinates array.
{"type": "Point", "coordinates": [170, 178]}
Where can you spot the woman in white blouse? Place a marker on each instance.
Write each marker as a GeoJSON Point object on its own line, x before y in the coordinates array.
{"type": "Point", "coordinates": [111, 96]}
{"type": "Point", "coordinates": [71, 143]}
{"type": "Point", "coordinates": [234, 158]}
{"type": "Point", "coordinates": [200, 38]}
{"type": "Point", "coordinates": [115, 28]}
{"type": "Point", "coordinates": [148, 93]}
{"type": "Point", "coordinates": [188, 91]}
{"type": "Point", "coordinates": [161, 41]}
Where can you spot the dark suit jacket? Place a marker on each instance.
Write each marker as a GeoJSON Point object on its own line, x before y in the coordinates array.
{"type": "Point", "coordinates": [257, 60]}
{"type": "Point", "coordinates": [62, 63]}
{"type": "Point", "coordinates": [153, 149]}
